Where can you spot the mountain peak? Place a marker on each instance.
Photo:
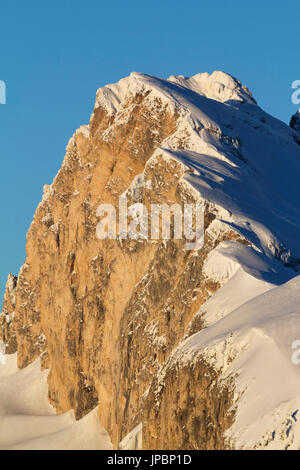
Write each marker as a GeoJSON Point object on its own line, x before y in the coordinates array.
{"type": "Point", "coordinates": [145, 327]}
{"type": "Point", "coordinates": [218, 85]}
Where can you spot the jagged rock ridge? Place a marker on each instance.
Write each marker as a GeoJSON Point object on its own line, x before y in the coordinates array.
{"type": "Point", "coordinates": [138, 326]}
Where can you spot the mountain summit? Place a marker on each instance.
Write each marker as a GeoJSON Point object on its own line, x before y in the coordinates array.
{"type": "Point", "coordinates": [190, 349]}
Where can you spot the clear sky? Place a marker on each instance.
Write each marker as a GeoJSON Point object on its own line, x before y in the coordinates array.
{"type": "Point", "coordinates": [54, 55]}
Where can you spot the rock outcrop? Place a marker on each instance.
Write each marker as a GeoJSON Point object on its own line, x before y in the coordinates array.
{"type": "Point", "coordinates": [295, 124]}
{"type": "Point", "coordinates": [105, 316]}
{"type": "Point", "coordinates": [295, 121]}
{"type": "Point", "coordinates": [7, 325]}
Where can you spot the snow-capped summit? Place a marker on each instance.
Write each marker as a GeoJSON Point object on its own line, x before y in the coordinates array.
{"type": "Point", "coordinates": [224, 131]}
{"type": "Point", "coordinates": [180, 349]}
{"type": "Point", "coordinates": [218, 85]}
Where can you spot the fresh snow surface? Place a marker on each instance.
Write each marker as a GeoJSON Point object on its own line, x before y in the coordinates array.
{"type": "Point", "coordinates": [28, 421]}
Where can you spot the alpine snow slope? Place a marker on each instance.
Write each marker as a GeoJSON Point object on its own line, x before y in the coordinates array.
{"type": "Point", "coordinates": [179, 349]}
{"type": "Point", "coordinates": [28, 421]}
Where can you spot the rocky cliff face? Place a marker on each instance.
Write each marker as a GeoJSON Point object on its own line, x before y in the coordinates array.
{"type": "Point", "coordinates": [107, 316]}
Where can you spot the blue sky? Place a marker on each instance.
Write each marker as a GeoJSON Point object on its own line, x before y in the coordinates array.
{"type": "Point", "coordinates": [54, 56]}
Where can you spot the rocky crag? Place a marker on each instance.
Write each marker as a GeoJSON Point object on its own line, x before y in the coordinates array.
{"type": "Point", "coordinates": [139, 326]}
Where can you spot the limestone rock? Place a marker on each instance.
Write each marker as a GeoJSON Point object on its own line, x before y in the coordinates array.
{"type": "Point", "coordinates": [107, 316]}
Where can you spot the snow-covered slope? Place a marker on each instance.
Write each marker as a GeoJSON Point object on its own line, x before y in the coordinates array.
{"type": "Point", "coordinates": [254, 345]}
{"type": "Point", "coordinates": [28, 421]}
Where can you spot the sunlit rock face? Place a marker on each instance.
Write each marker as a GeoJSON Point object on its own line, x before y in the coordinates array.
{"type": "Point", "coordinates": [112, 319]}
